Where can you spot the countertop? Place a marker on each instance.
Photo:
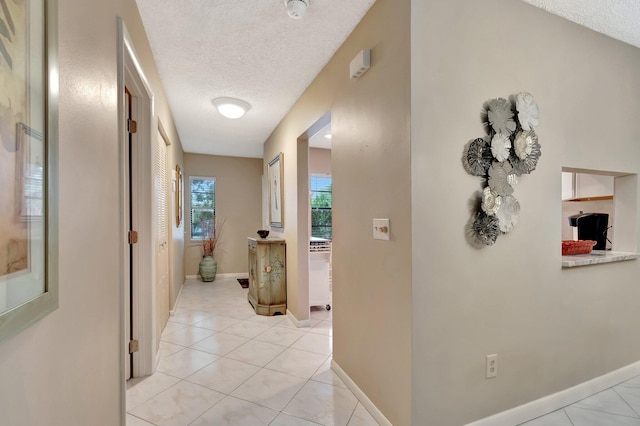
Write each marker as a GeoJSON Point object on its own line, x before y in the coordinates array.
{"type": "Point", "coordinates": [596, 257]}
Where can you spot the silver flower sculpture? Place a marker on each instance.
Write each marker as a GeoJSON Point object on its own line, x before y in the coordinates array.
{"type": "Point", "coordinates": [500, 146]}
{"type": "Point", "coordinates": [528, 112]}
{"type": "Point", "coordinates": [485, 229]}
{"type": "Point", "coordinates": [500, 116]}
{"type": "Point", "coordinates": [491, 201]}
{"type": "Point", "coordinates": [501, 161]}
{"type": "Point", "coordinates": [526, 154]}
{"type": "Point", "coordinates": [524, 142]}
{"type": "Point", "coordinates": [477, 157]}
{"type": "Point", "coordinates": [509, 213]}
{"type": "Point", "coordinates": [499, 178]}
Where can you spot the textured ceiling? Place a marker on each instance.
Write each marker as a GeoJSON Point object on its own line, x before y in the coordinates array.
{"type": "Point", "coordinates": [252, 50]}
{"type": "Point", "coordinates": [619, 19]}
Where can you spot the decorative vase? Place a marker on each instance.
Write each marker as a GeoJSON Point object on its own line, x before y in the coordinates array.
{"type": "Point", "coordinates": [208, 268]}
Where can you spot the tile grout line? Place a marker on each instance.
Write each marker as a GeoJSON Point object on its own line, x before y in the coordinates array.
{"type": "Point", "coordinates": [306, 331]}
{"type": "Point", "coordinates": [626, 402]}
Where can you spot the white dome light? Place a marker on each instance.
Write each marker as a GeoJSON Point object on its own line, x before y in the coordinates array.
{"type": "Point", "coordinates": [231, 107]}
{"type": "Point", "coordinates": [296, 8]}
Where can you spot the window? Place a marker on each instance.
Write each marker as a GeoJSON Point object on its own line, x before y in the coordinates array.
{"type": "Point", "coordinates": [203, 206]}
{"type": "Point", "coordinates": [321, 206]}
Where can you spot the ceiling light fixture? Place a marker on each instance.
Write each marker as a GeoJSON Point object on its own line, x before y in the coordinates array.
{"type": "Point", "coordinates": [231, 107]}
{"type": "Point", "coordinates": [296, 8]}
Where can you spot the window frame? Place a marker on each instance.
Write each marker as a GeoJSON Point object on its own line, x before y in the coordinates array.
{"type": "Point", "coordinates": [191, 179]}
{"type": "Point", "coordinates": [311, 208]}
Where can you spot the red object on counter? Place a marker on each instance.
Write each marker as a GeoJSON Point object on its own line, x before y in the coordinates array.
{"type": "Point", "coordinates": [570, 247]}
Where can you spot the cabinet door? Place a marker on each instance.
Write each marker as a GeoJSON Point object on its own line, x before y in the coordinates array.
{"type": "Point", "coordinates": [278, 279]}
{"type": "Point", "coordinates": [253, 273]}
{"type": "Point", "coordinates": [263, 274]}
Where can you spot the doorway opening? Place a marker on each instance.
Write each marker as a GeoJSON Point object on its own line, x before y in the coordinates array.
{"type": "Point", "coordinates": [314, 231]}
{"type": "Point", "coordinates": [137, 303]}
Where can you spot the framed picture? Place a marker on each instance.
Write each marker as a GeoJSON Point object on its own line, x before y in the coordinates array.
{"type": "Point", "coordinates": [28, 163]}
{"type": "Point", "coordinates": [276, 192]}
{"type": "Point", "coordinates": [29, 176]}
{"type": "Point", "coordinates": [178, 195]}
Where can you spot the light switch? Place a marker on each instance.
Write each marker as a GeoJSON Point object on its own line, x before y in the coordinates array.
{"type": "Point", "coordinates": [381, 229]}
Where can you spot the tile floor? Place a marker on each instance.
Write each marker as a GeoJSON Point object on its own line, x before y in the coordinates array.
{"type": "Point", "coordinates": [221, 364]}
{"type": "Point", "coordinates": [617, 406]}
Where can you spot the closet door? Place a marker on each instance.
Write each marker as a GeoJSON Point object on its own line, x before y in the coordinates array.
{"type": "Point", "coordinates": [161, 243]}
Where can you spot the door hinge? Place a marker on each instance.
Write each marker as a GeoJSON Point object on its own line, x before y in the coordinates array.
{"type": "Point", "coordinates": [132, 126]}
{"type": "Point", "coordinates": [133, 237]}
{"type": "Point", "coordinates": [134, 345]}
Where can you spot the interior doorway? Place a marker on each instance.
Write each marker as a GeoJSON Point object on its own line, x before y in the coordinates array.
{"type": "Point", "coordinates": [314, 252]}
{"type": "Point", "coordinates": [321, 219]}
{"type": "Point", "coordinates": [130, 265]}
{"type": "Point", "coordinates": [135, 118]}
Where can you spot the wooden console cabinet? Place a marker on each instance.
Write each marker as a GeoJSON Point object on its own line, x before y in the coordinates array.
{"type": "Point", "coordinates": [267, 276]}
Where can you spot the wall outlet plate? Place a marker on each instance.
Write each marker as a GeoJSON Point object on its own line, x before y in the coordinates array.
{"type": "Point", "coordinates": [381, 229]}
{"type": "Point", "coordinates": [492, 366]}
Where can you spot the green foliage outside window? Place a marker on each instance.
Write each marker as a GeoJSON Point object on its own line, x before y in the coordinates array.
{"type": "Point", "coordinates": [321, 201]}
{"type": "Point", "coordinates": [203, 206]}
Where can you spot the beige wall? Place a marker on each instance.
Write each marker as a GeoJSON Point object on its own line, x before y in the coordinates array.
{"type": "Point", "coordinates": [238, 202]}
{"type": "Point", "coordinates": [319, 161]}
{"type": "Point", "coordinates": [65, 369]}
{"type": "Point", "coordinates": [552, 328]}
{"type": "Point", "coordinates": [371, 279]}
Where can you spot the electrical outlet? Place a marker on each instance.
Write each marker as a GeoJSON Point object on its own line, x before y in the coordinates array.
{"type": "Point", "coordinates": [492, 365]}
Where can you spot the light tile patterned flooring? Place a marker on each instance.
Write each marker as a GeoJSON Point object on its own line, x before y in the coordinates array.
{"type": "Point", "coordinates": [221, 364]}
{"type": "Point", "coordinates": [617, 406]}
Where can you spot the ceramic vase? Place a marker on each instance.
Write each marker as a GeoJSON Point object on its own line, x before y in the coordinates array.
{"type": "Point", "coordinates": [208, 268]}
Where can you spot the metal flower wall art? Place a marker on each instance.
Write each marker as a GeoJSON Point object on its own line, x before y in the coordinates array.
{"type": "Point", "coordinates": [509, 150]}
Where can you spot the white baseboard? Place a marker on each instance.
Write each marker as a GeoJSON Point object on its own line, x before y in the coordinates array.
{"type": "Point", "coordinates": [553, 402]}
{"type": "Point", "coordinates": [173, 311]}
{"type": "Point", "coordinates": [298, 323]}
{"type": "Point", "coordinates": [362, 397]}
{"type": "Point", "coordinates": [232, 275]}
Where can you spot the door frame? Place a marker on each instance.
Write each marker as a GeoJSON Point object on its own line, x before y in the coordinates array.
{"type": "Point", "coordinates": [142, 296]}
{"type": "Point", "coordinates": [304, 213]}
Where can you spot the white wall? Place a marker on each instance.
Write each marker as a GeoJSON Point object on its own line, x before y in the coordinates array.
{"type": "Point", "coordinates": [65, 369]}
{"type": "Point", "coordinates": [552, 328]}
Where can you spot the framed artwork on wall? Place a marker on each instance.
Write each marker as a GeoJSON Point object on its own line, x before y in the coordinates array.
{"type": "Point", "coordinates": [276, 191]}
{"type": "Point", "coordinates": [178, 196]}
{"type": "Point", "coordinates": [28, 163]}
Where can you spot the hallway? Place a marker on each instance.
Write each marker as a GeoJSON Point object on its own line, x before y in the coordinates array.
{"type": "Point", "coordinates": [223, 365]}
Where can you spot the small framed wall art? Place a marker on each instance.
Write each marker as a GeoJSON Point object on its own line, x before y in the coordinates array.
{"type": "Point", "coordinates": [276, 191]}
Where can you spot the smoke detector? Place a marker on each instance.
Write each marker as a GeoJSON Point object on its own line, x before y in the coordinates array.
{"type": "Point", "coordinates": [296, 8]}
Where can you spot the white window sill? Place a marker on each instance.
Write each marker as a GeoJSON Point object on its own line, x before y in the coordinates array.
{"type": "Point", "coordinates": [597, 257]}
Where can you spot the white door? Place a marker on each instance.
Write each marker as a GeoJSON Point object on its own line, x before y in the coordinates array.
{"type": "Point", "coordinates": [160, 183]}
